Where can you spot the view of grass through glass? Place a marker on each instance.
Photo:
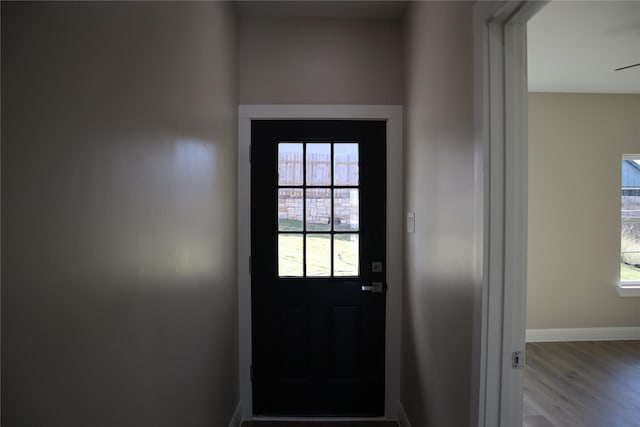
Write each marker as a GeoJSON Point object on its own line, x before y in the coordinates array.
{"type": "Point", "coordinates": [318, 209]}
{"type": "Point", "coordinates": [345, 259]}
{"type": "Point", "coordinates": [630, 220]}
{"type": "Point", "coordinates": [290, 255]}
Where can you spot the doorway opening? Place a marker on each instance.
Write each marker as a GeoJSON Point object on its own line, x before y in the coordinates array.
{"type": "Point", "coordinates": [391, 116]}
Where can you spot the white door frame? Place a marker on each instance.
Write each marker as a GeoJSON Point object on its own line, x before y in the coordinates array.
{"type": "Point", "coordinates": [392, 114]}
{"type": "Point", "coordinates": [500, 71]}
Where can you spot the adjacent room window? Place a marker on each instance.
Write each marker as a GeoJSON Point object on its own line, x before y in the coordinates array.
{"type": "Point", "coordinates": [318, 209]}
{"type": "Point", "coordinates": [630, 221]}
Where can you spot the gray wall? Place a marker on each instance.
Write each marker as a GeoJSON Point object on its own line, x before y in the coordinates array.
{"type": "Point", "coordinates": [439, 179]}
{"type": "Point", "coordinates": [576, 143]}
{"type": "Point", "coordinates": [320, 61]}
{"type": "Point", "coordinates": [118, 222]}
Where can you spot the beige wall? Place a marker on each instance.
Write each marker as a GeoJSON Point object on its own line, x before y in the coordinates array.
{"type": "Point", "coordinates": [118, 222]}
{"type": "Point", "coordinates": [320, 61]}
{"type": "Point", "coordinates": [439, 174]}
{"type": "Point", "coordinates": [576, 143]}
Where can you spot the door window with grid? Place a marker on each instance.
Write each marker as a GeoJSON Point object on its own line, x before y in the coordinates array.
{"type": "Point", "coordinates": [318, 209]}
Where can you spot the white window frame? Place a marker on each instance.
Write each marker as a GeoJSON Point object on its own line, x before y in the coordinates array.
{"type": "Point", "coordinates": [628, 288]}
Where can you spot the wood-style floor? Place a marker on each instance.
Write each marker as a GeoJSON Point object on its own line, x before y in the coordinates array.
{"type": "Point", "coordinates": [567, 384]}
{"type": "Point", "coordinates": [582, 384]}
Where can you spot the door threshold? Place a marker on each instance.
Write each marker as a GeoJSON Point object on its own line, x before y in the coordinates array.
{"type": "Point", "coordinates": [320, 422]}
{"type": "Point", "coordinates": [316, 418]}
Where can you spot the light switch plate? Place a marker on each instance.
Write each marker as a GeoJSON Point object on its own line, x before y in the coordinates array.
{"type": "Point", "coordinates": [411, 222]}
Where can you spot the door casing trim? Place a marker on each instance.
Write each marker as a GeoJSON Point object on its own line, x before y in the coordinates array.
{"type": "Point", "coordinates": [392, 114]}
{"type": "Point", "coordinates": [500, 82]}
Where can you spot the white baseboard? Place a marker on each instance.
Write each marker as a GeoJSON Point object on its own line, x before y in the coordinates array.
{"type": "Point", "coordinates": [402, 416]}
{"type": "Point", "coordinates": [236, 419]}
{"type": "Point", "coordinates": [583, 334]}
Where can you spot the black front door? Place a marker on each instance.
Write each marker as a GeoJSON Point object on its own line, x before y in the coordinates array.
{"type": "Point", "coordinates": [318, 242]}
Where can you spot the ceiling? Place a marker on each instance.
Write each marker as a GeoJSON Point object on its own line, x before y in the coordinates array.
{"type": "Point", "coordinates": [574, 46]}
